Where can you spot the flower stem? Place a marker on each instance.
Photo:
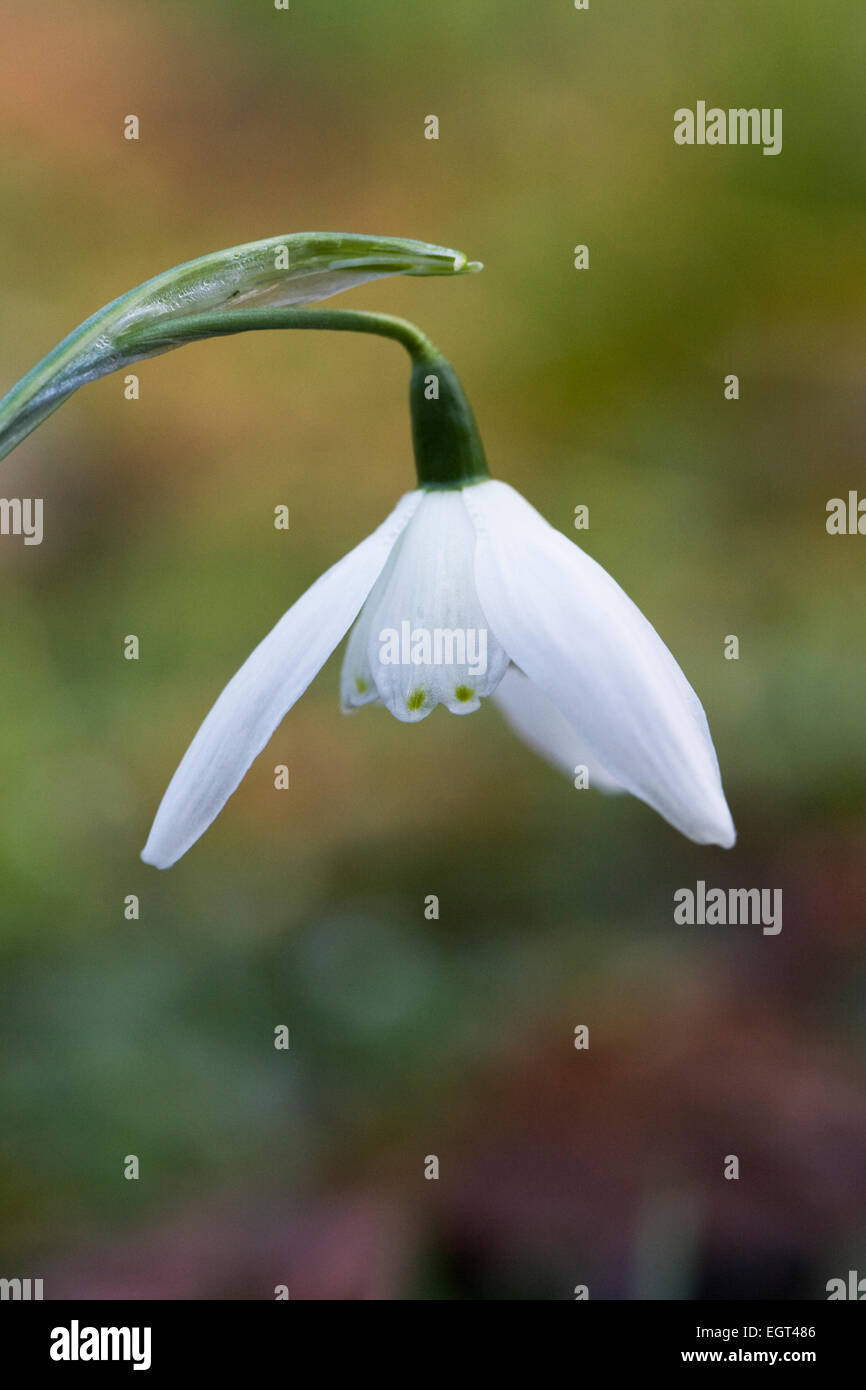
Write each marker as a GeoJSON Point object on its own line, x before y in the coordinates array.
{"type": "Point", "coordinates": [186, 330]}
{"type": "Point", "coordinates": [448, 448]}
{"type": "Point", "coordinates": [297, 268]}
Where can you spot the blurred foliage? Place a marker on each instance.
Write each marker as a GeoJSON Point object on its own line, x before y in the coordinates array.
{"type": "Point", "coordinates": [603, 387]}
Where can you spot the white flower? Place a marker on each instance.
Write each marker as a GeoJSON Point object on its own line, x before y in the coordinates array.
{"type": "Point", "coordinates": [594, 684]}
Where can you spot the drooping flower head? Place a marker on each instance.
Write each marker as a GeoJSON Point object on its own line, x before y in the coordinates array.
{"type": "Point", "coordinates": [463, 593]}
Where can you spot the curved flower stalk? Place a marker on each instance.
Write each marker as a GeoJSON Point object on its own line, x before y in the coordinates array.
{"type": "Point", "coordinates": [463, 593]}
{"type": "Point", "coordinates": [279, 272]}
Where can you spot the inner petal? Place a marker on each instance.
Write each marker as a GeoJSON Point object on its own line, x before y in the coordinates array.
{"type": "Point", "coordinates": [357, 682]}
{"type": "Point", "coordinates": [427, 640]}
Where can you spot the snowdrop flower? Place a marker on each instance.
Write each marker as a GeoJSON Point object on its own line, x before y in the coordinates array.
{"type": "Point", "coordinates": [463, 593]}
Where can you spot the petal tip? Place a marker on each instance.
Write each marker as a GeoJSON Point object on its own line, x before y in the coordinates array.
{"type": "Point", "coordinates": [722, 832]}
{"type": "Point", "coordinates": [150, 856]}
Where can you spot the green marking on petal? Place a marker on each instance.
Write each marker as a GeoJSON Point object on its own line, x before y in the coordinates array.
{"type": "Point", "coordinates": [361, 685]}
{"type": "Point", "coordinates": [415, 700]}
{"type": "Point", "coordinates": [464, 693]}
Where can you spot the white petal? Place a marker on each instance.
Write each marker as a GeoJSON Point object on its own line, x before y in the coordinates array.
{"type": "Point", "coordinates": [428, 641]}
{"type": "Point", "coordinates": [546, 731]}
{"type": "Point", "coordinates": [264, 689]}
{"type": "Point", "coordinates": [573, 631]}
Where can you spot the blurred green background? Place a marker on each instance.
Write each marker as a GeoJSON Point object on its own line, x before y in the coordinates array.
{"type": "Point", "coordinates": [603, 387]}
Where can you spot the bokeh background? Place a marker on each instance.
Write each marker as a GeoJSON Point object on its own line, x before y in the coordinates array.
{"type": "Point", "coordinates": [604, 387]}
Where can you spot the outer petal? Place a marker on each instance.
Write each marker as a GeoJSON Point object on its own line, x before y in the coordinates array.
{"type": "Point", "coordinates": [264, 689]}
{"type": "Point", "coordinates": [573, 631]}
{"type": "Point", "coordinates": [547, 732]}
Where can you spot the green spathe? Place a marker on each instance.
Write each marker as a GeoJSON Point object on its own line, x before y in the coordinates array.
{"type": "Point", "coordinates": [280, 272]}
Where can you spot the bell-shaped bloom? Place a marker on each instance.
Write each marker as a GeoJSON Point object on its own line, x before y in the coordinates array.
{"type": "Point", "coordinates": [461, 594]}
